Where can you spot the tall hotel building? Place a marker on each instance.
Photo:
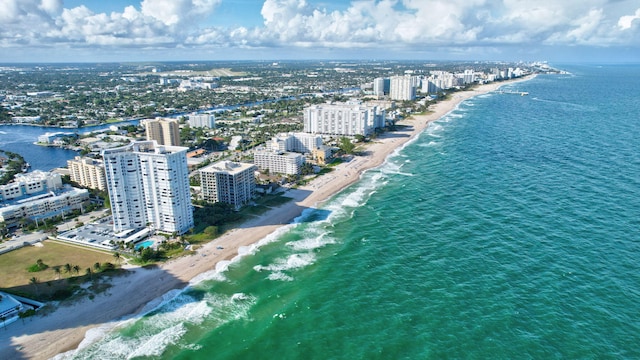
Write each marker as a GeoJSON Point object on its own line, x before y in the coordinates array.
{"type": "Point", "coordinates": [229, 182]}
{"type": "Point", "coordinates": [342, 119]}
{"type": "Point", "coordinates": [164, 131]}
{"type": "Point", "coordinates": [149, 184]}
{"type": "Point", "coordinates": [87, 172]}
{"type": "Point", "coordinates": [403, 88]}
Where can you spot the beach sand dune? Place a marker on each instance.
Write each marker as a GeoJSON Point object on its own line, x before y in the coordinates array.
{"type": "Point", "coordinates": [63, 330]}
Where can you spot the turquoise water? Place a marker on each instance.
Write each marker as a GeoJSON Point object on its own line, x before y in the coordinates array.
{"type": "Point", "coordinates": [507, 230]}
{"type": "Point", "coordinates": [144, 244]}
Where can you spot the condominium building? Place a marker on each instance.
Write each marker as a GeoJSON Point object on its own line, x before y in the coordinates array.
{"type": "Point", "coordinates": [229, 182]}
{"type": "Point", "coordinates": [28, 184]}
{"type": "Point", "coordinates": [43, 206]}
{"type": "Point", "coordinates": [403, 88]}
{"type": "Point", "coordinates": [342, 119]}
{"type": "Point", "coordinates": [278, 162]}
{"type": "Point", "coordinates": [297, 142]}
{"type": "Point", "coordinates": [202, 120]}
{"type": "Point", "coordinates": [164, 131]}
{"type": "Point", "coordinates": [88, 172]}
{"type": "Point", "coordinates": [381, 86]}
{"type": "Point", "coordinates": [148, 183]}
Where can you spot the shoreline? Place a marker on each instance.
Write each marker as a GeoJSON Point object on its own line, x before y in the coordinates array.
{"type": "Point", "coordinates": [143, 289]}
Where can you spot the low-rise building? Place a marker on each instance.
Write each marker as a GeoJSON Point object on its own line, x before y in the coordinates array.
{"type": "Point", "coordinates": [44, 206]}
{"type": "Point", "coordinates": [32, 183]}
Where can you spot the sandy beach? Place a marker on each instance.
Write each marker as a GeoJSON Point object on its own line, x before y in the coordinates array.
{"type": "Point", "coordinates": [43, 337]}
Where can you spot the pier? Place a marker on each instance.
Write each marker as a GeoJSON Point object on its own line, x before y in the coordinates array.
{"type": "Point", "coordinates": [521, 93]}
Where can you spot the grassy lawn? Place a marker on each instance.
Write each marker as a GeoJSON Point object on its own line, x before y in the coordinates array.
{"type": "Point", "coordinates": [17, 279]}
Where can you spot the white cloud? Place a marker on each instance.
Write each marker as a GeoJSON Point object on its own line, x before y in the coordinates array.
{"type": "Point", "coordinates": [173, 12]}
{"type": "Point", "coordinates": [383, 24]}
{"type": "Point", "coordinates": [625, 22]}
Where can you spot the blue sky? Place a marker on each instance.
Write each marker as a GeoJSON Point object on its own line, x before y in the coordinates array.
{"type": "Point", "coordinates": [145, 30]}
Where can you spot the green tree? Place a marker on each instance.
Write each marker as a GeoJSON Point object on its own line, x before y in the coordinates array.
{"type": "Point", "coordinates": [76, 268]}
{"type": "Point", "coordinates": [56, 270]}
{"type": "Point", "coordinates": [346, 145]}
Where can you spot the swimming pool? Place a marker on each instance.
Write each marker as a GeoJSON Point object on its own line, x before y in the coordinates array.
{"type": "Point", "coordinates": [144, 244]}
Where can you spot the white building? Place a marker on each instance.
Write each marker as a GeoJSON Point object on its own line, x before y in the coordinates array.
{"type": "Point", "coordinates": [297, 142]}
{"type": "Point", "coordinates": [202, 120]}
{"type": "Point", "coordinates": [32, 183]}
{"type": "Point", "coordinates": [149, 184]}
{"type": "Point", "coordinates": [44, 206]}
{"type": "Point", "coordinates": [342, 119]}
{"type": "Point", "coordinates": [278, 162]}
{"type": "Point", "coordinates": [88, 172]}
{"type": "Point", "coordinates": [403, 88]}
{"type": "Point", "coordinates": [381, 87]}
{"type": "Point", "coordinates": [229, 182]}
{"type": "Point", "coordinates": [9, 308]}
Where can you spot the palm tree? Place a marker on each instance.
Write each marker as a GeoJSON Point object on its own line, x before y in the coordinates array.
{"type": "Point", "coordinates": [90, 273]}
{"type": "Point", "coordinates": [76, 268]}
{"type": "Point", "coordinates": [56, 270]}
{"type": "Point", "coordinates": [67, 268]}
{"type": "Point", "coordinates": [34, 281]}
{"type": "Point", "coordinates": [116, 255]}
{"type": "Point", "coordinates": [96, 266]}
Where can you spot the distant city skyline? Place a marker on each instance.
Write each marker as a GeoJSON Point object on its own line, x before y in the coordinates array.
{"type": "Point", "coordinates": [172, 30]}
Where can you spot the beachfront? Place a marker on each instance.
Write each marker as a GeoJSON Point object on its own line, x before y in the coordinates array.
{"type": "Point", "coordinates": [64, 329]}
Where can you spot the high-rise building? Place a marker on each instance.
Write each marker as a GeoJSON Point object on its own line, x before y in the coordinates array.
{"type": "Point", "coordinates": [148, 184]}
{"type": "Point", "coordinates": [297, 142]}
{"type": "Point", "coordinates": [87, 172]}
{"type": "Point", "coordinates": [164, 131]}
{"type": "Point", "coordinates": [381, 86]}
{"type": "Point", "coordinates": [341, 119]}
{"type": "Point", "coordinates": [229, 182]}
{"type": "Point", "coordinates": [278, 162]}
{"type": "Point", "coordinates": [202, 120]}
{"type": "Point", "coordinates": [403, 88]}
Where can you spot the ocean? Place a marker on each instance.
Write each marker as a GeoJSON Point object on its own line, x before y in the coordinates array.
{"type": "Point", "coordinates": [509, 229]}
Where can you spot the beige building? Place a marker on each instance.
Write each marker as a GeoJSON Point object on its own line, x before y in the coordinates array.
{"type": "Point", "coordinates": [163, 131]}
{"type": "Point", "coordinates": [229, 182]}
{"type": "Point", "coordinates": [87, 172]}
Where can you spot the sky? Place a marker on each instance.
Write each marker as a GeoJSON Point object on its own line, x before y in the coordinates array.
{"type": "Point", "coordinates": [184, 30]}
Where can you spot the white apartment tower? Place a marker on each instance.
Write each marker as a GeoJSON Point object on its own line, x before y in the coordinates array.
{"type": "Point", "coordinates": [149, 184]}
{"type": "Point", "coordinates": [202, 120]}
{"type": "Point", "coordinates": [297, 142]}
{"type": "Point", "coordinates": [403, 88]}
{"type": "Point", "coordinates": [278, 162]}
{"type": "Point", "coordinates": [164, 131]}
{"type": "Point", "coordinates": [229, 182]}
{"type": "Point", "coordinates": [87, 172]}
{"type": "Point", "coordinates": [340, 119]}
